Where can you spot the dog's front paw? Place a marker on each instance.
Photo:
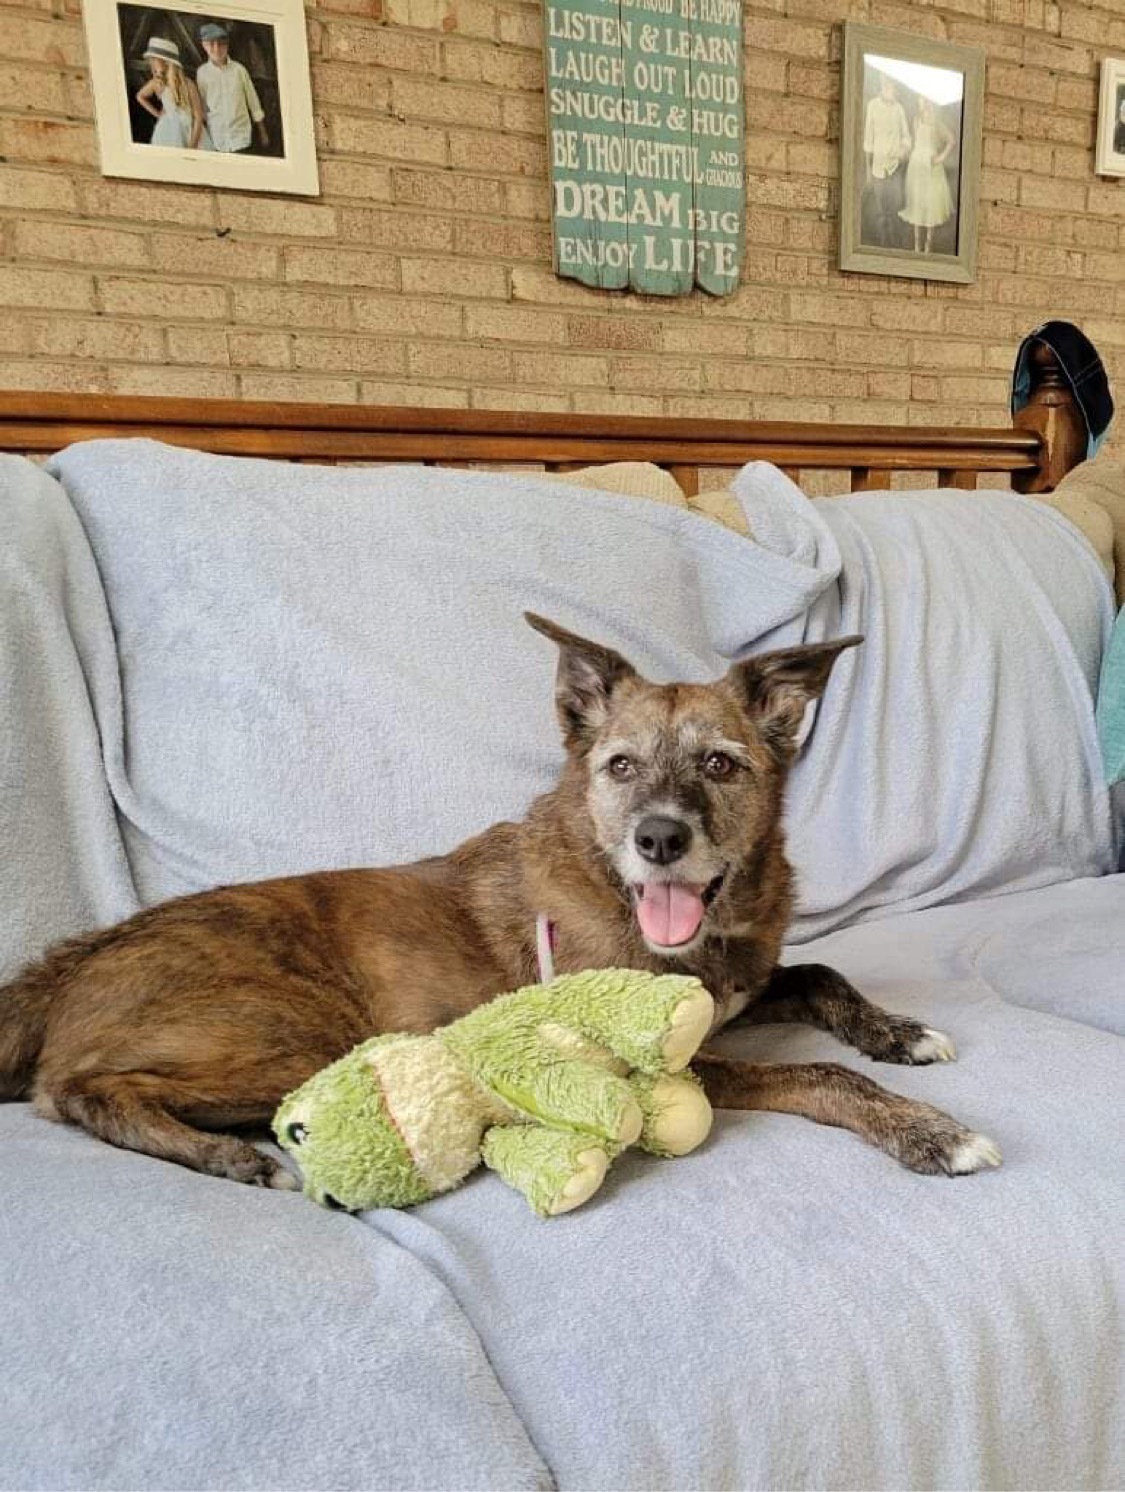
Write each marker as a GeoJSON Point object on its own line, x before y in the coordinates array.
{"type": "Point", "coordinates": [932, 1046]}
{"type": "Point", "coordinates": [977, 1153]}
{"type": "Point", "coordinates": [910, 1043]}
{"type": "Point", "coordinates": [933, 1144]}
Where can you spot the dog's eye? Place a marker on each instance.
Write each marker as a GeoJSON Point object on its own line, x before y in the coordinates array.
{"type": "Point", "coordinates": [621, 768]}
{"type": "Point", "coordinates": [718, 764]}
{"type": "Point", "coordinates": [296, 1134]}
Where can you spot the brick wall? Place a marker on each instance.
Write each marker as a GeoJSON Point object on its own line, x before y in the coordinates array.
{"type": "Point", "coordinates": [422, 275]}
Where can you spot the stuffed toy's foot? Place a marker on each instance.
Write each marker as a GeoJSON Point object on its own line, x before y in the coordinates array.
{"type": "Point", "coordinates": [691, 1020]}
{"type": "Point", "coordinates": [554, 1170]}
{"type": "Point", "coordinates": [677, 1115]}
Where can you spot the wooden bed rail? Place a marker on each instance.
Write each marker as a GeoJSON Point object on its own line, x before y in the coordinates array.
{"type": "Point", "coordinates": [1044, 444]}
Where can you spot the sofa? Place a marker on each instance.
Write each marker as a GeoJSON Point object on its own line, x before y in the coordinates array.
{"type": "Point", "coordinates": [217, 669]}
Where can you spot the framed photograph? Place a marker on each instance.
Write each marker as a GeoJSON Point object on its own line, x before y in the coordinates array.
{"type": "Point", "coordinates": [1110, 155]}
{"type": "Point", "coordinates": [910, 145]}
{"type": "Point", "coordinates": [214, 98]}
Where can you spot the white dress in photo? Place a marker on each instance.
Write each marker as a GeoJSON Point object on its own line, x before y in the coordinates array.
{"type": "Point", "coordinates": [928, 199]}
{"type": "Point", "coordinates": [175, 125]}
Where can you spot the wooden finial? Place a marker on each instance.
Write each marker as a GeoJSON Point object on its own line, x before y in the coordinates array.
{"type": "Point", "coordinates": [1052, 413]}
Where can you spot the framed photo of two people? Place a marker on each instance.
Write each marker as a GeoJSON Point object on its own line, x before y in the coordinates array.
{"type": "Point", "coordinates": [1109, 159]}
{"type": "Point", "coordinates": [185, 93]}
{"type": "Point", "coordinates": [910, 133]}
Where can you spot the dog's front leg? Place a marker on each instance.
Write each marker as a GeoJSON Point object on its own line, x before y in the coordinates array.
{"type": "Point", "coordinates": [815, 995]}
{"type": "Point", "coordinates": [921, 1137]}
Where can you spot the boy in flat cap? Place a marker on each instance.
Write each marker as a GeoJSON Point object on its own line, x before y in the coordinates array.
{"type": "Point", "coordinates": [229, 96]}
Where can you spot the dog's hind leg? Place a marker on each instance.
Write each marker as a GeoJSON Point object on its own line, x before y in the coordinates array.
{"type": "Point", "coordinates": [135, 1110]}
{"type": "Point", "coordinates": [815, 995]}
{"type": "Point", "coordinates": [917, 1135]}
{"type": "Point", "coordinates": [168, 1073]}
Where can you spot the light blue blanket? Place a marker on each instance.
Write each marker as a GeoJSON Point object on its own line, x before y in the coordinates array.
{"type": "Point", "coordinates": [62, 865]}
{"type": "Point", "coordinates": [165, 1330]}
{"type": "Point", "coordinates": [955, 754]}
{"type": "Point", "coordinates": [326, 667]}
{"type": "Point", "coordinates": [785, 1308]}
{"type": "Point", "coordinates": [162, 1330]}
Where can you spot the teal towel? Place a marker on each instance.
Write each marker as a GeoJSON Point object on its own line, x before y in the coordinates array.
{"type": "Point", "coordinates": [1111, 705]}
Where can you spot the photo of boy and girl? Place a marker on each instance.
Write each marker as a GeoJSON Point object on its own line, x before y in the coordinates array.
{"type": "Point", "coordinates": [187, 89]}
{"type": "Point", "coordinates": [912, 162]}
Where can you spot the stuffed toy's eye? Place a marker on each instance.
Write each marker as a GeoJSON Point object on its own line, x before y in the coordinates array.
{"type": "Point", "coordinates": [296, 1134]}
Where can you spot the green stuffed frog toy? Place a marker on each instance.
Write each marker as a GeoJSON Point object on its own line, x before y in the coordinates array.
{"type": "Point", "coordinates": [546, 1086]}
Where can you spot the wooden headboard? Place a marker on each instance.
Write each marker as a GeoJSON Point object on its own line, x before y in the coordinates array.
{"type": "Point", "coordinates": [1047, 439]}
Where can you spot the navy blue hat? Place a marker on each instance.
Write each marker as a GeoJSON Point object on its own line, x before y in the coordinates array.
{"type": "Point", "coordinates": [1082, 368]}
{"type": "Point", "coordinates": [213, 31]}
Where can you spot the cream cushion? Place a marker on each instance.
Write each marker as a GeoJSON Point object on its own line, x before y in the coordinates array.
{"type": "Point", "coordinates": [628, 479]}
{"type": "Point", "coordinates": [644, 479]}
{"type": "Point", "coordinates": [1092, 497]}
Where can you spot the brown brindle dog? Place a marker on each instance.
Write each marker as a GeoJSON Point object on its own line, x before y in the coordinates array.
{"type": "Point", "coordinates": [660, 848]}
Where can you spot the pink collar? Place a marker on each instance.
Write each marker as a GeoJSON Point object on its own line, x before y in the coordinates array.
{"type": "Point", "coordinates": [546, 939]}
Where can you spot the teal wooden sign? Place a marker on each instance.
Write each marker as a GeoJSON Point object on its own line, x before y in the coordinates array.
{"type": "Point", "coordinates": [646, 132]}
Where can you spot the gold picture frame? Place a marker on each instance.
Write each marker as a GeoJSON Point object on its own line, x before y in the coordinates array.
{"type": "Point", "coordinates": [911, 121]}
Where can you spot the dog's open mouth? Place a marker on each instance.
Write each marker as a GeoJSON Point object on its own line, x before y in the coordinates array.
{"type": "Point", "coordinates": [670, 913]}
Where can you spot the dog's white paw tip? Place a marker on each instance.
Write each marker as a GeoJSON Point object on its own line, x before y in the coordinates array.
{"type": "Point", "coordinates": [933, 1046]}
{"type": "Point", "coordinates": [284, 1181]}
{"type": "Point", "coordinates": [974, 1154]}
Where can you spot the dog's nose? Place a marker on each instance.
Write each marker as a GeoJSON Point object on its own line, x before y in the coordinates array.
{"type": "Point", "coordinates": [660, 840]}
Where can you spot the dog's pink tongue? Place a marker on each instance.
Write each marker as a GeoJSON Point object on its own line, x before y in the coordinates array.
{"type": "Point", "coordinates": [669, 913]}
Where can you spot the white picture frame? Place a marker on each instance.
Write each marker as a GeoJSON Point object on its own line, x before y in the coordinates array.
{"type": "Point", "coordinates": [269, 34]}
{"type": "Point", "coordinates": [1109, 160]}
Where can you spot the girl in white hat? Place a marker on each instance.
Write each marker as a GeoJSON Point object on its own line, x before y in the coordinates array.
{"type": "Point", "coordinates": [172, 99]}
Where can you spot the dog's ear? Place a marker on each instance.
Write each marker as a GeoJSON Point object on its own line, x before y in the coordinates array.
{"type": "Point", "coordinates": [777, 687]}
{"type": "Point", "coordinates": [588, 674]}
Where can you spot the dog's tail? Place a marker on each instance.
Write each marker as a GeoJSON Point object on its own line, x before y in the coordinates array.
{"type": "Point", "coordinates": [25, 1008]}
{"type": "Point", "coordinates": [25, 1005]}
